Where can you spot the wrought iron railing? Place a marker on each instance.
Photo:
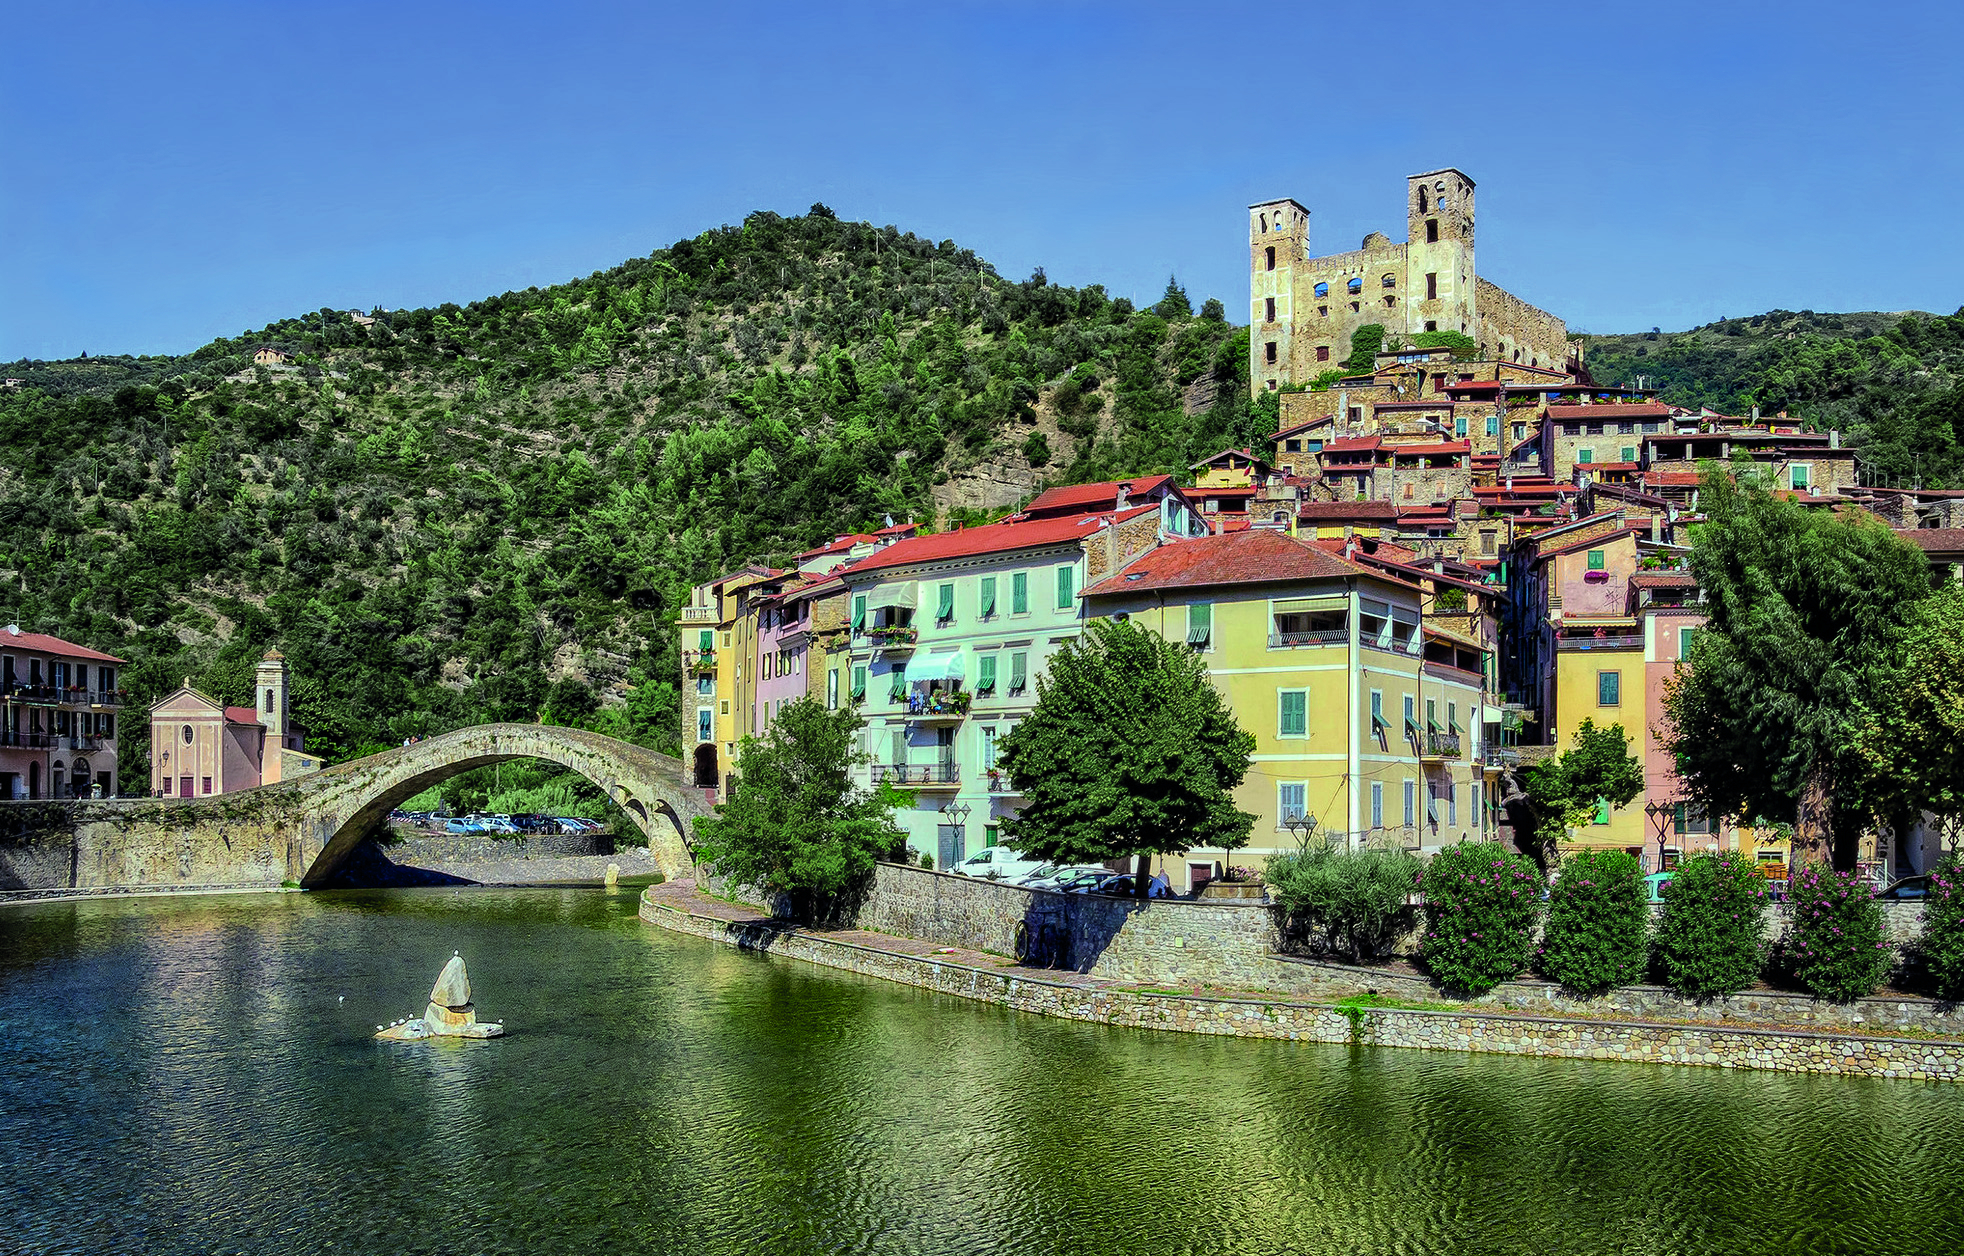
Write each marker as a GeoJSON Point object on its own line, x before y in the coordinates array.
{"type": "Point", "coordinates": [917, 774]}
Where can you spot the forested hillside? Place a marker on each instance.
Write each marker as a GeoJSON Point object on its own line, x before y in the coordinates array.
{"type": "Point", "coordinates": [1891, 382]}
{"type": "Point", "coordinates": [493, 511]}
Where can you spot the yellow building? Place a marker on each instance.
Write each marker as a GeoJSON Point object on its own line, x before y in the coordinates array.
{"type": "Point", "coordinates": [1364, 722]}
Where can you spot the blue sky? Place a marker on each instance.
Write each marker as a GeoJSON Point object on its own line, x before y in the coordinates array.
{"type": "Point", "coordinates": [175, 172]}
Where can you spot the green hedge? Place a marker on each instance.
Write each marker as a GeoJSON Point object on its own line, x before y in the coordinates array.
{"type": "Point", "coordinates": [1836, 940]}
{"type": "Point", "coordinates": [1943, 933]}
{"type": "Point", "coordinates": [1482, 903]}
{"type": "Point", "coordinates": [1709, 940]}
{"type": "Point", "coordinates": [1352, 901]}
{"type": "Point", "coordinates": [1597, 936]}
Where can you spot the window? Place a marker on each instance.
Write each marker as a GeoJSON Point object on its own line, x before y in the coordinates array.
{"type": "Point", "coordinates": [1411, 719]}
{"type": "Point", "coordinates": [1200, 625]}
{"type": "Point", "coordinates": [1493, 425]}
{"type": "Point", "coordinates": [1322, 353]}
{"type": "Point", "coordinates": [1322, 290]}
{"type": "Point", "coordinates": [1019, 672]}
{"type": "Point", "coordinates": [705, 730]}
{"type": "Point", "coordinates": [207, 785]}
{"type": "Point", "coordinates": [859, 612]}
{"type": "Point", "coordinates": [1293, 713]}
{"type": "Point", "coordinates": [985, 675]}
{"type": "Point", "coordinates": [898, 742]}
{"type": "Point", "coordinates": [898, 692]}
{"type": "Point", "coordinates": [1411, 802]}
{"type": "Point", "coordinates": [1377, 804]}
{"type": "Point", "coordinates": [985, 606]}
{"type": "Point", "coordinates": [1476, 802]}
{"type": "Point", "coordinates": [1520, 431]}
{"type": "Point", "coordinates": [1388, 281]}
{"type": "Point", "coordinates": [1019, 593]}
{"type": "Point", "coordinates": [1459, 425]}
{"type": "Point", "coordinates": [1584, 456]}
{"type": "Point", "coordinates": [1489, 541]}
{"type": "Point", "coordinates": [1596, 560]}
{"type": "Point", "coordinates": [1799, 477]}
{"type": "Point", "coordinates": [832, 689]}
{"type": "Point", "coordinates": [1452, 717]}
{"type": "Point", "coordinates": [723, 707]}
{"type": "Point", "coordinates": [1629, 453]}
{"type": "Point", "coordinates": [944, 611]}
{"type": "Point", "coordinates": [1690, 818]}
{"type": "Point", "coordinates": [1684, 642]}
{"type": "Point", "coordinates": [989, 747]}
{"type": "Point", "coordinates": [1432, 231]}
{"type": "Point", "coordinates": [1609, 688]}
{"type": "Point", "coordinates": [1066, 599]}
{"type": "Point", "coordinates": [1377, 712]}
{"type": "Point", "coordinates": [167, 784]}
{"type": "Point", "coordinates": [1268, 353]}
{"type": "Point", "coordinates": [990, 833]}
{"type": "Point", "coordinates": [1270, 252]}
{"type": "Point", "coordinates": [1293, 446]}
{"type": "Point", "coordinates": [1452, 803]}
{"type": "Point", "coordinates": [706, 685]}
{"type": "Point", "coordinates": [1424, 200]}
{"type": "Point", "coordinates": [1291, 801]}
{"type": "Point", "coordinates": [1431, 715]}
{"type": "Point", "coordinates": [858, 683]}
{"type": "Point", "coordinates": [1431, 289]}
{"type": "Point", "coordinates": [1268, 315]}
{"type": "Point", "coordinates": [1355, 285]}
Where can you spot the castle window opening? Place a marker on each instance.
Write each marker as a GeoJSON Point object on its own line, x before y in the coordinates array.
{"type": "Point", "coordinates": [1389, 281]}
{"type": "Point", "coordinates": [1431, 289]}
{"type": "Point", "coordinates": [1264, 222]}
{"type": "Point", "coordinates": [1324, 310]}
{"type": "Point", "coordinates": [1389, 302]}
{"type": "Point", "coordinates": [1268, 351]}
{"type": "Point", "coordinates": [1271, 385]}
{"type": "Point", "coordinates": [1271, 257]}
{"type": "Point", "coordinates": [1322, 353]}
{"type": "Point", "coordinates": [1356, 413]}
{"type": "Point", "coordinates": [1432, 231]}
{"type": "Point", "coordinates": [1322, 289]}
{"type": "Point", "coordinates": [1356, 285]}
{"type": "Point", "coordinates": [1270, 311]}
{"type": "Point", "coordinates": [1424, 202]}
{"type": "Point", "coordinates": [1353, 307]}
{"type": "Point", "coordinates": [1431, 324]}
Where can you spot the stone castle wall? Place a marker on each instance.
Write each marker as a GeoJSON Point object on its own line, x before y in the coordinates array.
{"type": "Point", "coordinates": [1507, 323]}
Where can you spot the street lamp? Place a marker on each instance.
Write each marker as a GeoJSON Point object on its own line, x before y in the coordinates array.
{"type": "Point", "coordinates": [1659, 812]}
{"type": "Point", "coordinates": [1302, 827]}
{"type": "Point", "coordinates": [957, 814]}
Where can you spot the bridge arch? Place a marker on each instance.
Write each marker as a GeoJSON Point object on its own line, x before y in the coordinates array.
{"type": "Point", "coordinates": [346, 802]}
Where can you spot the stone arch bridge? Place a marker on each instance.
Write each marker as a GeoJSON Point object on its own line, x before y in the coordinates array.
{"type": "Point", "coordinates": [301, 830]}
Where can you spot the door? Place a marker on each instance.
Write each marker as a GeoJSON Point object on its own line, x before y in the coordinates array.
{"type": "Point", "coordinates": [184, 787]}
{"type": "Point", "coordinates": [953, 849]}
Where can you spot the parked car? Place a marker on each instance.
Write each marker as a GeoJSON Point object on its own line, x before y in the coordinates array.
{"type": "Point", "coordinates": [462, 826]}
{"type": "Point", "coordinates": [1064, 880]}
{"type": "Point", "coordinates": [997, 863]}
{"type": "Point", "coordinates": [1906, 890]}
{"type": "Point", "coordinates": [1119, 885]}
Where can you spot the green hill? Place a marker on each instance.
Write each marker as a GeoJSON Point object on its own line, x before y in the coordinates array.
{"type": "Point", "coordinates": [494, 511]}
{"type": "Point", "coordinates": [1891, 382]}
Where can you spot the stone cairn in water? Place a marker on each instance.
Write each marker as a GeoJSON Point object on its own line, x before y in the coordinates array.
{"type": "Point", "coordinates": [450, 1013]}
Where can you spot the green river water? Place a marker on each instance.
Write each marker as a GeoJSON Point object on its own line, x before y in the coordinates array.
{"type": "Point", "coordinates": [198, 1075]}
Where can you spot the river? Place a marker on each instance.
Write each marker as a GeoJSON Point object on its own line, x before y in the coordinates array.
{"type": "Point", "coordinates": [198, 1075]}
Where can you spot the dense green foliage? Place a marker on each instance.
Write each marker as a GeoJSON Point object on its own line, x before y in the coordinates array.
{"type": "Point", "coordinates": [494, 511]}
{"type": "Point", "coordinates": [797, 825]}
{"type": "Point", "coordinates": [1352, 902]}
{"type": "Point", "coordinates": [1482, 903]}
{"type": "Point", "coordinates": [1364, 345]}
{"type": "Point", "coordinates": [1130, 750]}
{"type": "Point", "coordinates": [1894, 383]}
{"type": "Point", "coordinates": [1597, 935]}
{"type": "Point", "coordinates": [1913, 735]}
{"type": "Point", "coordinates": [1708, 939]}
{"type": "Point", "coordinates": [1836, 944]}
{"type": "Point", "coordinates": [1809, 614]}
{"type": "Point", "coordinates": [1942, 941]}
{"type": "Point", "coordinates": [1565, 790]}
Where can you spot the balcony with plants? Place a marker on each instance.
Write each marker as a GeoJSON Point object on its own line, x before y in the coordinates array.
{"type": "Point", "coordinates": [938, 703]}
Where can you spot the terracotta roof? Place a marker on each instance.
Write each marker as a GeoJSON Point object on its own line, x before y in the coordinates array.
{"type": "Point", "coordinates": [1239, 453]}
{"type": "Point", "coordinates": [1936, 540]}
{"type": "Point", "coordinates": [1450, 447]}
{"type": "Point", "coordinates": [840, 543]}
{"type": "Point", "coordinates": [1080, 498]}
{"type": "Point", "coordinates": [898, 529]}
{"type": "Point", "coordinates": [1304, 426]}
{"type": "Point", "coordinates": [1612, 411]}
{"type": "Point", "coordinates": [1610, 466]}
{"type": "Point", "coordinates": [13, 638]}
{"type": "Point", "coordinates": [1671, 477]}
{"type": "Point", "coordinates": [1343, 511]}
{"type": "Point", "coordinates": [990, 539]}
{"type": "Point", "coordinates": [1475, 385]}
{"type": "Point", "coordinates": [242, 715]}
{"type": "Point", "coordinates": [1352, 444]}
{"type": "Point", "coordinates": [1257, 556]}
{"type": "Point", "coordinates": [1663, 580]}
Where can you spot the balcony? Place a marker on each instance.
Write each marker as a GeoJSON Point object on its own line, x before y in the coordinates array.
{"type": "Point", "coordinates": [106, 699]}
{"type": "Point", "coordinates": [895, 639]}
{"type": "Point", "coordinates": [1599, 643]}
{"type": "Point", "coordinates": [1499, 758]}
{"type": "Point", "coordinates": [999, 784]}
{"type": "Point", "coordinates": [34, 695]}
{"type": "Point", "coordinates": [940, 706]}
{"type": "Point", "coordinates": [90, 745]}
{"type": "Point", "coordinates": [700, 662]}
{"type": "Point", "coordinates": [1316, 636]}
{"type": "Point", "coordinates": [1439, 746]}
{"type": "Point", "coordinates": [698, 614]}
{"type": "Point", "coordinates": [919, 775]}
{"type": "Point", "coordinates": [26, 741]}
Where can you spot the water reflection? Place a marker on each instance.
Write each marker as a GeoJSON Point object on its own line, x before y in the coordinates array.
{"type": "Point", "coordinates": [197, 1075]}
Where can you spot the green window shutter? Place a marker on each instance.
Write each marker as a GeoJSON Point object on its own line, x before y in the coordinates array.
{"type": "Point", "coordinates": [945, 611]}
{"type": "Point", "coordinates": [1585, 455]}
{"type": "Point", "coordinates": [1684, 642]}
{"type": "Point", "coordinates": [1797, 476]}
{"type": "Point", "coordinates": [1019, 671]}
{"type": "Point", "coordinates": [988, 604]}
{"type": "Point", "coordinates": [706, 640]}
{"type": "Point", "coordinates": [859, 612]}
{"type": "Point", "coordinates": [1200, 624]}
{"type": "Point", "coordinates": [1595, 560]}
{"type": "Point", "coordinates": [858, 683]}
{"type": "Point", "coordinates": [1019, 593]}
{"type": "Point", "coordinates": [985, 680]}
{"type": "Point", "coordinates": [1493, 425]}
{"type": "Point", "coordinates": [1629, 453]}
{"type": "Point", "coordinates": [899, 690]}
{"type": "Point", "coordinates": [1065, 575]}
{"type": "Point", "coordinates": [1295, 714]}
{"type": "Point", "coordinates": [1609, 688]}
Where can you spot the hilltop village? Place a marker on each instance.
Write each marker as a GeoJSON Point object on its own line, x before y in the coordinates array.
{"type": "Point", "coordinates": [1455, 549]}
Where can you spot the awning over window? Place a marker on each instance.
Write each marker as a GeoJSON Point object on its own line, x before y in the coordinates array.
{"type": "Point", "coordinates": [1307, 605]}
{"type": "Point", "coordinates": [946, 665]}
{"type": "Point", "coordinates": [898, 593]}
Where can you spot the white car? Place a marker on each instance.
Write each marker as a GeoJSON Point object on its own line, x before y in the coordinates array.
{"type": "Point", "coordinates": [997, 863]}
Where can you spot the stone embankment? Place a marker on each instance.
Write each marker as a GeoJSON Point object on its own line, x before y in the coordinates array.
{"type": "Point", "coordinates": [955, 935]}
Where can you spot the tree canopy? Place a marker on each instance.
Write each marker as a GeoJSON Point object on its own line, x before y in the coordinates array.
{"type": "Point", "coordinates": [1565, 790]}
{"type": "Point", "coordinates": [1129, 751]}
{"type": "Point", "coordinates": [1809, 613]}
{"type": "Point", "coordinates": [796, 824]}
{"type": "Point", "coordinates": [1912, 736]}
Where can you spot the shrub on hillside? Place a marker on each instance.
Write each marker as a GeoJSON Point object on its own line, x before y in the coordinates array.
{"type": "Point", "coordinates": [1354, 902]}
{"type": "Point", "coordinates": [1836, 939]}
{"type": "Point", "coordinates": [1709, 939]}
{"type": "Point", "coordinates": [1942, 943]}
{"type": "Point", "coordinates": [1598, 926]}
{"type": "Point", "coordinates": [1482, 903]}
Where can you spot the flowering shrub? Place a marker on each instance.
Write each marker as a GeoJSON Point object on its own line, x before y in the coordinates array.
{"type": "Point", "coordinates": [1348, 901]}
{"type": "Point", "coordinates": [1943, 932]}
{"type": "Point", "coordinates": [1482, 903]}
{"type": "Point", "coordinates": [1709, 939]}
{"type": "Point", "coordinates": [1836, 941]}
{"type": "Point", "coordinates": [1598, 923]}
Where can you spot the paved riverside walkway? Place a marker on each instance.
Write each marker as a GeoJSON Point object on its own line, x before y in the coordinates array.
{"type": "Point", "coordinates": [685, 896]}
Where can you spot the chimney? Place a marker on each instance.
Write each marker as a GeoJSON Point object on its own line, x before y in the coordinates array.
{"type": "Point", "coordinates": [1834, 438]}
{"type": "Point", "coordinates": [1124, 494]}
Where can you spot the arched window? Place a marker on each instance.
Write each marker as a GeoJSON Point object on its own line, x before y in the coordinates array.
{"type": "Point", "coordinates": [1322, 289]}
{"type": "Point", "coordinates": [1356, 285]}
{"type": "Point", "coordinates": [1389, 281]}
{"type": "Point", "coordinates": [1264, 222]}
{"type": "Point", "coordinates": [1423, 202]}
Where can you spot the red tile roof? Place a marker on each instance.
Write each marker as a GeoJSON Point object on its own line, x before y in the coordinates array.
{"type": "Point", "coordinates": [1474, 385]}
{"type": "Point", "coordinates": [242, 715]}
{"type": "Point", "coordinates": [1078, 498]}
{"type": "Point", "coordinates": [1936, 540]}
{"type": "Point", "coordinates": [1671, 477]}
{"type": "Point", "coordinates": [14, 639]}
{"type": "Point", "coordinates": [990, 539]}
{"type": "Point", "coordinates": [1352, 444]}
{"type": "Point", "coordinates": [1610, 466]}
{"type": "Point", "coordinates": [898, 529]}
{"type": "Point", "coordinates": [1612, 412]}
{"type": "Point", "coordinates": [1345, 511]}
{"type": "Point", "coordinates": [1663, 580]}
{"type": "Point", "coordinates": [1303, 426]}
{"type": "Point", "coordinates": [1258, 556]}
{"type": "Point", "coordinates": [1450, 447]}
{"type": "Point", "coordinates": [839, 543]}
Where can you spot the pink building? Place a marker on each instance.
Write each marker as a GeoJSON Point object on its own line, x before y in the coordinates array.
{"type": "Point", "coordinates": [783, 642]}
{"type": "Point", "coordinates": [58, 705]}
{"type": "Point", "coordinates": [200, 746]}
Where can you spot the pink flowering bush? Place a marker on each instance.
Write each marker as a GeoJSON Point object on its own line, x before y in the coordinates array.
{"type": "Point", "coordinates": [1837, 944]}
{"type": "Point", "coordinates": [1709, 941]}
{"type": "Point", "coordinates": [1598, 929]}
{"type": "Point", "coordinates": [1482, 903]}
{"type": "Point", "coordinates": [1943, 933]}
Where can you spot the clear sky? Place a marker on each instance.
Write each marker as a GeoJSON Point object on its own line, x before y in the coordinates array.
{"type": "Point", "coordinates": [178, 171]}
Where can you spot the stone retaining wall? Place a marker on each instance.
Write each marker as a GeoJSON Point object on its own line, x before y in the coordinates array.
{"type": "Point", "coordinates": [421, 848]}
{"type": "Point", "coordinates": [1794, 1051]}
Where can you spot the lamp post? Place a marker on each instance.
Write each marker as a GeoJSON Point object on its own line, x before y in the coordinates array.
{"type": "Point", "coordinates": [958, 813]}
{"type": "Point", "coordinates": [1659, 812]}
{"type": "Point", "coordinates": [1301, 827]}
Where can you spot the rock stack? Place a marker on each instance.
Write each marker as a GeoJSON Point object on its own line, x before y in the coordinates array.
{"type": "Point", "coordinates": [450, 1013]}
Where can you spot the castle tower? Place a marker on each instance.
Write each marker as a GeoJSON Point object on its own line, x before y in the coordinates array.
{"type": "Point", "coordinates": [1278, 243]}
{"type": "Point", "coordinates": [1439, 268]}
{"type": "Point", "coordinates": [269, 682]}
